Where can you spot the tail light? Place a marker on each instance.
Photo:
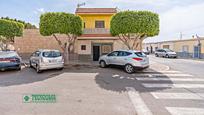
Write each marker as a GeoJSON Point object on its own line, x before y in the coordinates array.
{"type": "Point", "coordinates": [9, 59]}
{"type": "Point", "coordinates": [137, 59]}
{"type": "Point", "coordinates": [12, 59]}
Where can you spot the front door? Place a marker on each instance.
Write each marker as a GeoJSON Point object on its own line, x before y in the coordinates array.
{"type": "Point", "coordinates": [96, 53]}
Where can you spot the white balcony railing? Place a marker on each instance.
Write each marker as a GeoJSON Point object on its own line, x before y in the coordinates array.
{"type": "Point", "coordinates": [96, 31]}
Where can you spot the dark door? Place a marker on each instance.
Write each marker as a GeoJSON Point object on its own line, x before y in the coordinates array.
{"type": "Point", "coordinates": [96, 53]}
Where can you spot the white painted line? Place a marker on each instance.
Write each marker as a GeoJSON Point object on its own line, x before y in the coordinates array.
{"type": "Point", "coordinates": [137, 102]}
{"type": "Point", "coordinates": [165, 74]}
{"type": "Point", "coordinates": [162, 95]}
{"type": "Point", "coordinates": [185, 111]}
{"type": "Point", "coordinates": [161, 71]}
{"type": "Point", "coordinates": [154, 85]}
{"type": "Point", "coordinates": [167, 79]}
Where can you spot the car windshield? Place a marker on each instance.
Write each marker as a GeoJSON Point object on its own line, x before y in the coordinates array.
{"type": "Point", "coordinates": [7, 54]}
{"type": "Point", "coordinates": [140, 54]}
{"type": "Point", "coordinates": [168, 50]}
{"type": "Point", "coordinates": [51, 54]}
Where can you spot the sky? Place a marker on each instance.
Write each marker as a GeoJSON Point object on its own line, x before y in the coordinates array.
{"type": "Point", "coordinates": [177, 17]}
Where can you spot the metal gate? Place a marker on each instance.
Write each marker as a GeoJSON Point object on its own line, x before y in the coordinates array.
{"type": "Point", "coordinates": [197, 52]}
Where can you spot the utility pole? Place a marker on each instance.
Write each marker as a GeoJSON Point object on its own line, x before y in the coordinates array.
{"type": "Point", "coordinates": [181, 35]}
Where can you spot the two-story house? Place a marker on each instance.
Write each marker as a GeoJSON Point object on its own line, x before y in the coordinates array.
{"type": "Point", "coordinates": [96, 39]}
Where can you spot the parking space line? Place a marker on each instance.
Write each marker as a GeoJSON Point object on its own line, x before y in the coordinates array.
{"type": "Point", "coordinates": [137, 102]}
{"type": "Point", "coordinates": [167, 79]}
{"type": "Point", "coordinates": [162, 95]}
{"type": "Point", "coordinates": [164, 74]}
{"type": "Point", "coordinates": [185, 111]}
{"type": "Point", "coordinates": [163, 85]}
{"type": "Point", "coordinates": [161, 71]}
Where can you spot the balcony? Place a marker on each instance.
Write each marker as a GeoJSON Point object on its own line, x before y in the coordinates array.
{"type": "Point", "coordinates": [96, 31]}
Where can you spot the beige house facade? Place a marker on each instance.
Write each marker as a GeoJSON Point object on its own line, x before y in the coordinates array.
{"type": "Point", "coordinates": [189, 48]}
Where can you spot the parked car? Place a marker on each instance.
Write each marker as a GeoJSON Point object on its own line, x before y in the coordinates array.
{"type": "Point", "coordinates": [9, 60]}
{"type": "Point", "coordinates": [129, 59]}
{"type": "Point", "coordinates": [165, 53]}
{"type": "Point", "coordinates": [45, 59]}
{"type": "Point", "coordinates": [145, 51]}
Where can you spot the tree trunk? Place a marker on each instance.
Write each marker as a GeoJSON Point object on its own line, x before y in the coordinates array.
{"type": "Point", "coordinates": [66, 54]}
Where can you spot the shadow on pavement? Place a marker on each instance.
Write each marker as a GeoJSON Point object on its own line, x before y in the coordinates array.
{"type": "Point", "coordinates": [117, 80]}
{"type": "Point", "coordinates": [25, 76]}
{"type": "Point", "coordinates": [112, 79]}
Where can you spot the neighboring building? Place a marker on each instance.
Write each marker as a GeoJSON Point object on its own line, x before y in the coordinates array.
{"type": "Point", "coordinates": [95, 41]}
{"type": "Point", "coordinates": [188, 48]}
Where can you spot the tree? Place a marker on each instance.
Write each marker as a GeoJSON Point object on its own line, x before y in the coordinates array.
{"type": "Point", "coordinates": [8, 31]}
{"type": "Point", "coordinates": [132, 27]}
{"type": "Point", "coordinates": [26, 25]}
{"type": "Point", "coordinates": [70, 25]}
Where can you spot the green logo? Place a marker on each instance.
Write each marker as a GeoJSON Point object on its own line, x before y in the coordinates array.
{"type": "Point", "coordinates": [39, 98]}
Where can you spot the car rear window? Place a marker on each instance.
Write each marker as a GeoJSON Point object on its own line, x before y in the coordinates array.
{"type": "Point", "coordinates": [51, 54]}
{"type": "Point", "coordinates": [140, 54]}
{"type": "Point", "coordinates": [8, 54]}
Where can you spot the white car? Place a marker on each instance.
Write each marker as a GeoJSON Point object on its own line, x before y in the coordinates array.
{"type": "Point", "coordinates": [165, 53]}
{"type": "Point", "coordinates": [45, 59]}
{"type": "Point", "coordinates": [130, 59]}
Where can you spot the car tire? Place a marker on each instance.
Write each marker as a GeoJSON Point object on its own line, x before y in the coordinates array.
{"type": "Point", "coordinates": [19, 68]}
{"type": "Point", "coordinates": [156, 55]}
{"type": "Point", "coordinates": [129, 69]}
{"type": "Point", "coordinates": [30, 64]}
{"type": "Point", "coordinates": [38, 69]}
{"type": "Point", "coordinates": [167, 56]}
{"type": "Point", "coordinates": [103, 64]}
{"type": "Point", "coordinates": [61, 68]}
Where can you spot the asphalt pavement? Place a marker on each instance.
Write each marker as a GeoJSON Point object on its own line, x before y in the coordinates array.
{"type": "Point", "coordinates": [168, 87]}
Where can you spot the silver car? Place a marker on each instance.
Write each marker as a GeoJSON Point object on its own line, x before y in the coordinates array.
{"type": "Point", "coordinates": [165, 53]}
{"type": "Point", "coordinates": [46, 59]}
{"type": "Point", "coordinates": [130, 59]}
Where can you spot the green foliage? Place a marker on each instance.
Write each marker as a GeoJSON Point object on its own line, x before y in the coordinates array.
{"type": "Point", "coordinates": [10, 29]}
{"type": "Point", "coordinates": [26, 25]}
{"type": "Point", "coordinates": [60, 23]}
{"type": "Point", "coordinates": [135, 22]}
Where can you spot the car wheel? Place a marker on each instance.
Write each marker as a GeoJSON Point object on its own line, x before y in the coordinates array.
{"type": "Point", "coordinates": [129, 68]}
{"type": "Point", "coordinates": [103, 64]}
{"type": "Point", "coordinates": [19, 68]}
{"type": "Point", "coordinates": [167, 56]}
{"type": "Point", "coordinates": [30, 64]}
{"type": "Point", "coordinates": [156, 55]}
{"type": "Point", "coordinates": [61, 68]}
{"type": "Point", "coordinates": [38, 69]}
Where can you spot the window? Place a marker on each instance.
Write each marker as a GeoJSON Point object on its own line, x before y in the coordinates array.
{"type": "Point", "coordinates": [185, 48]}
{"type": "Point", "coordinates": [99, 24]}
{"type": "Point", "coordinates": [106, 49]}
{"type": "Point", "coordinates": [113, 54]}
{"type": "Point", "coordinates": [83, 47]}
{"type": "Point", "coordinates": [140, 54]}
{"type": "Point", "coordinates": [51, 54]}
{"type": "Point", "coordinates": [122, 53]}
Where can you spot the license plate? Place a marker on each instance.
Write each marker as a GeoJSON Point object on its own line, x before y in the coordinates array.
{"type": "Point", "coordinates": [52, 61]}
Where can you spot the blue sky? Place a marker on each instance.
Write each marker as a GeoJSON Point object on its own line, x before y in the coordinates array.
{"type": "Point", "coordinates": [176, 16]}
